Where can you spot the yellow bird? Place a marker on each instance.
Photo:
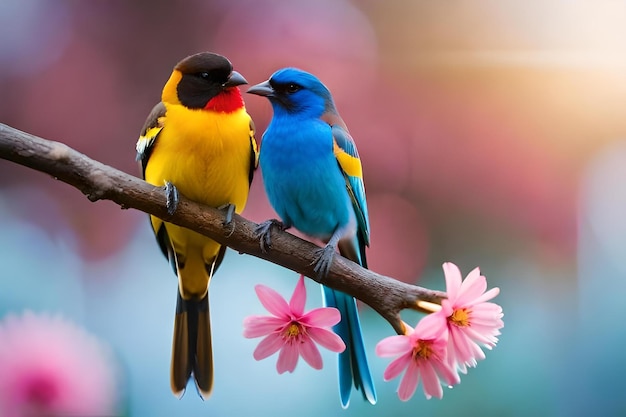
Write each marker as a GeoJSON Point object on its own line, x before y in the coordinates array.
{"type": "Point", "coordinates": [199, 141]}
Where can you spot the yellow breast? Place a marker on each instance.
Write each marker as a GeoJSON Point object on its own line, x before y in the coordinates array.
{"type": "Point", "coordinates": [206, 155]}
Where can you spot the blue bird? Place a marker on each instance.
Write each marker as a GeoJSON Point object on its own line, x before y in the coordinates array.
{"type": "Point", "coordinates": [314, 180]}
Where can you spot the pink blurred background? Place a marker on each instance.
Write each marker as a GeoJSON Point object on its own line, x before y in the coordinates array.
{"type": "Point", "coordinates": [476, 121]}
{"type": "Point", "coordinates": [454, 113]}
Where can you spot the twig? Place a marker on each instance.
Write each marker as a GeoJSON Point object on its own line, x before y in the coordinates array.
{"type": "Point", "coordinates": [101, 182]}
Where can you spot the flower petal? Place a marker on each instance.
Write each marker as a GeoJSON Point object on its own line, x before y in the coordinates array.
{"type": "Point", "coordinates": [393, 346]}
{"type": "Point", "coordinates": [484, 337]}
{"type": "Point", "coordinates": [409, 381]}
{"type": "Point", "coordinates": [273, 301]}
{"type": "Point", "coordinates": [396, 367]}
{"type": "Point", "coordinates": [446, 307]}
{"type": "Point", "coordinates": [288, 358]}
{"type": "Point", "coordinates": [462, 349]}
{"type": "Point", "coordinates": [433, 326]}
{"type": "Point", "coordinates": [489, 308]}
{"type": "Point", "coordinates": [487, 295]}
{"type": "Point", "coordinates": [310, 354]}
{"type": "Point", "coordinates": [257, 326]}
{"type": "Point", "coordinates": [472, 288]}
{"type": "Point", "coordinates": [268, 346]}
{"type": "Point", "coordinates": [321, 317]}
{"type": "Point", "coordinates": [487, 324]}
{"type": "Point", "coordinates": [298, 299]}
{"type": "Point", "coordinates": [453, 280]}
{"type": "Point", "coordinates": [430, 381]}
{"type": "Point", "coordinates": [327, 339]}
{"type": "Point", "coordinates": [451, 354]}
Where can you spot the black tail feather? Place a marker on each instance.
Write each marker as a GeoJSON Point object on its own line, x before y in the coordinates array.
{"type": "Point", "coordinates": [191, 347]}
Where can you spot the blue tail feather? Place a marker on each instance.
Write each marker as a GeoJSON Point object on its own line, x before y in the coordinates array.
{"type": "Point", "coordinates": [353, 366]}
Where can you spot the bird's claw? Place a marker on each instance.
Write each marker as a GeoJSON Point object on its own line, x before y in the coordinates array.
{"type": "Point", "coordinates": [264, 231]}
{"type": "Point", "coordinates": [324, 261]}
{"type": "Point", "coordinates": [228, 220]}
{"type": "Point", "coordinates": [172, 198]}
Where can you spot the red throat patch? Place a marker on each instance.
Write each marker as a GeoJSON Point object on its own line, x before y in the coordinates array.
{"type": "Point", "coordinates": [227, 101]}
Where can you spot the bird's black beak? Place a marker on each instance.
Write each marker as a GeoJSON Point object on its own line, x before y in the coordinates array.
{"type": "Point", "coordinates": [262, 89]}
{"type": "Point", "coordinates": [234, 80]}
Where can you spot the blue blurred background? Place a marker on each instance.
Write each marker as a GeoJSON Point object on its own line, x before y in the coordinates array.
{"type": "Point", "coordinates": [492, 134]}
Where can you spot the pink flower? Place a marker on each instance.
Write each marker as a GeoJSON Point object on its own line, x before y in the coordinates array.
{"type": "Point", "coordinates": [290, 331]}
{"type": "Point", "coordinates": [51, 367]}
{"type": "Point", "coordinates": [471, 320]}
{"type": "Point", "coordinates": [421, 353]}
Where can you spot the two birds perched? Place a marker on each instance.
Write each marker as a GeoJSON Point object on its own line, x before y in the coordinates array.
{"type": "Point", "coordinates": [199, 141]}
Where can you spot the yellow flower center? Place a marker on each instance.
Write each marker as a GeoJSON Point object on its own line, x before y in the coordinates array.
{"type": "Point", "coordinates": [423, 349]}
{"type": "Point", "coordinates": [460, 317]}
{"type": "Point", "coordinates": [293, 330]}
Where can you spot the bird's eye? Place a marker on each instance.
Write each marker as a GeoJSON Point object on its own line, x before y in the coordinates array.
{"type": "Point", "coordinates": [203, 75]}
{"type": "Point", "coordinates": [292, 88]}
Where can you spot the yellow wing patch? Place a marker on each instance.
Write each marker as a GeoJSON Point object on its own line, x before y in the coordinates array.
{"type": "Point", "coordinates": [255, 147]}
{"type": "Point", "coordinates": [349, 164]}
{"type": "Point", "coordinates": [145, 141]}
{"type": "Point", "coordinates": [149, 132]}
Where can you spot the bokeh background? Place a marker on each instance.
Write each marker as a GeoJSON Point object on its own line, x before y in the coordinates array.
{"type": "Point", "coordinates": [492, 134]}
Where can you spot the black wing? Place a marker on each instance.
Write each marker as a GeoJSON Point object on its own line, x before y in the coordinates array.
{"type": "Point", "coordinates": [149, 134]}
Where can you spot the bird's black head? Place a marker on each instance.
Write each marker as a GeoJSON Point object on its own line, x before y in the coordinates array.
{"type": "Point", "coordinates": [203, 77]}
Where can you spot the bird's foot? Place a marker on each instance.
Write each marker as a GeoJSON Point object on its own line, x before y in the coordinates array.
{"type": "Point", "coordinates": [172, 198]}
{"type": "Point", "coordinates": [228, 221]}
{"type": "Point", "coordinates": [324, 260]}
{"type": "Point", "coordinates": [264, 231]}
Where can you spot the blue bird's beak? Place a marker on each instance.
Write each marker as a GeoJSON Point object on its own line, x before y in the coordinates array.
{"type": "Point", "coordinates": [234, 80]}
{"type": "Point", "coordinates": [262, 89]}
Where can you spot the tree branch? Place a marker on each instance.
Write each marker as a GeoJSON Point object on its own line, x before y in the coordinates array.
{"type": "Point", "coordinates": [100, 182]}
